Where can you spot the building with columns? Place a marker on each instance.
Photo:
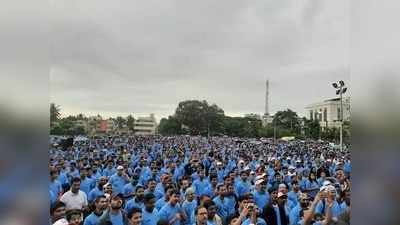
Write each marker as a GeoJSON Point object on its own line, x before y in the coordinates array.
{"type": "Point", "coordinates": [145, 125]}
{"type": "Point", "coordinates": [328, 112]}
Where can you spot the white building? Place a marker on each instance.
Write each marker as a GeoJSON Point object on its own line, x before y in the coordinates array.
{"type": "Point", "coordinates": [328, 112]}
{"type": "Point", "coordinates": [145, 125]}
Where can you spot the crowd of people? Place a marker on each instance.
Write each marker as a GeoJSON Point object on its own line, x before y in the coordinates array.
{"type": "Point", "coordinates": [192, 180]}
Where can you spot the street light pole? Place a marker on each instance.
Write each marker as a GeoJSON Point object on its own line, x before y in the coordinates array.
{"type": "Point", "coordinates": [341, 120]}
{"type": "Point", "coordinates": [340, 91]}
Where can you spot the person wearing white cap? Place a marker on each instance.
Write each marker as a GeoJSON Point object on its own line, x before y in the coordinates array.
{"type": "Point", "coordinates": [119, 180]}
{"type": "Point", "coordinates": [260, 193]}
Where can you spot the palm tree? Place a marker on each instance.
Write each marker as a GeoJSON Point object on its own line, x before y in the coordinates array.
{"type": "Point", "coordinates": [55, 113]}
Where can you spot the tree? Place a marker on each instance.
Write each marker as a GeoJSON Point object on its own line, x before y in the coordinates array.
{"type": "Point", "coordinates": [120, 122]}
{"type": "Point", "coordinates": [287, 119]}
{"type": "Point", "coordinates": [130, 122]}
{"type": "Point", "coordinates": [199, 117]}
{"type": "Point", "coordinates": [170, 126]}
{"type": "Point", "coordinates": [55, 113]}
{"type": "Point", "coordinates": [312, 129]}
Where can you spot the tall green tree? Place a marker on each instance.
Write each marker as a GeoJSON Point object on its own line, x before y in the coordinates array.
{"type": "Point", "coordinates": [170, 126]}
{"type": "Point", "coordinates": [312, 129]}
{"type": "Point", "coordinates": [120, 122]}
{"type": "Point", "coordinates": [55, 113]}
{"type": "Point", "coordinates": [130, 122]}
{"type": "Point", "coordinates": [200, 117]}
{"type": "Point", "coordinates": [287, 119]}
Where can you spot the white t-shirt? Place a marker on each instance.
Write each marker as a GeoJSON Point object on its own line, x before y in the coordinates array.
{"type": "Point", "coordinates": [61, 222]}
{"type": "Point", "coordinates": [74, 201]}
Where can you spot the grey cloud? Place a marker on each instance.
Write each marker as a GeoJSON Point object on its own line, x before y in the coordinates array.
{"type": "Point", "coordinates": [147, 56]}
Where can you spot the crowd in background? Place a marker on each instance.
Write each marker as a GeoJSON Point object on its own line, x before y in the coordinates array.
{"type": "Point", "coordinates": [188, 180]}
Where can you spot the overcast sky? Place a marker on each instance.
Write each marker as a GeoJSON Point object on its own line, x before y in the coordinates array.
{"type": "Point", "coordinates": [139, 57]}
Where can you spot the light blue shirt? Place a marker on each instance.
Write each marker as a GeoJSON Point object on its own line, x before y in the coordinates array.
{"type": "Point", "coordinates": [168, 212]}
{"type": "Point", "coordinates": [260, 221]}
{"type": "Point", "coordinates": [94, 193]}
{"type": "Point", "coordinates": [92, 219]}
{"type": "Point", "coordinates": [149, 218]}
{"type": "Point", "coordinates": [133, 204]}
{"type": "Point", "coordinates": [117, 219]}
{"type": "Point", "coordinates": [118, 183]}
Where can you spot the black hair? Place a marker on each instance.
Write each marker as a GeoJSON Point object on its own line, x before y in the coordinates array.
{"type": "Point", "coordinates": [133, 211]}
{"type": "Point", "coordinates": [72, 212]}
{"type": "Point", "coordinates": [75, 179]}
{"type": "Point", "coordinates": [148, 197]}
{"type": "Point", "coordinates": [162, 222]}
{"type": "Point", "coordinates": [207, 204]}
{"type": "Point", "coordinates": [196, 210]}
{"type": "Point", "coordinates": [97, 199]}
{"type": "Point", "coordinates": [55, 206]}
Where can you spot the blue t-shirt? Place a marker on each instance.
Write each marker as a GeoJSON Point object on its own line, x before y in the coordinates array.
{"type": "Point", "coordinates": [129, 189]}
{"type": "Point", "coordinates": [109, 172]}
{"type": "Point", "coordinates": [223, 207]}
{"type": "Point", "coordinates": [320, 208]}
{"type": "Point", "coordinates": [202, 187]}
{"type": "Point", "coordinates": [87, 185]}
{"type": "Point", "coordinates": [242, 188]}
{"type": "Point", "coordinates": [168, 212]}
{"type": "Point", "coordinates": [94, 193]}
{"type": "Point", "coordinates": [260, 221]}
{"type": "Point", "coordinates": [55, 187]}
{"type": "Point", "coordinates": [294, 215]}
{"type": "Point", "coordinates": [133, 204]}
{"type": "Point", "coordinates": [261, 199]}
{"type": "Point", "coordinates": [149, 218]}
{"type": "Point", "coordinates": [118, 183]}
{"type": "Point", "coordinates": [159, 192]}
{"type": "Point", "coordinates": [92, 219]}
{"type": "Point", "coordinates": [160, 203]}
{"type": "Point", "coordinates": [117, 219]}
{"type": "Point", "coordinates": [189, 208]}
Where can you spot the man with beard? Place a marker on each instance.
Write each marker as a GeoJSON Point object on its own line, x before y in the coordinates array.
{"type": "Point", "coordinates": [119, 180]}
{"type": "Point", "coordinates": [100, 205]}
{"type": "Point", "coordinates": [75, 198]}
{"type": "Point", "coordinates": [97, 191]}
{"type": "Point", "coordinates": [201, 215]}
{"type": "Point", "coordinates": [150, 214]}
{"type": "Point", "coordinates": [189, 205]}
{"type": "Point", "coordinates": [274, 213]}
{"type": "Point", "coordinates": [295, 193]}
{"type": "Point", "coordinates": [151, 186]}
{"type": "Point", "coordinates": [296, 212]}
{"type": "Point", "coordinates": [161, 187]}
{"type": "Point", "coordinates": [202, 186]}
{"type": "Point", "coordinates": [129, 189]}
{"type": "Point", "coordinates": [223, 203]}
{"type": "Point", "coordinates": [242, 186]}
{"type": "Point", "coordinates": [87, 184]}
{"type": "Point", "coordinates": [114, 214]}
{"type": "Point", "coordinates": [260, 194]}
{"type": "Point", "coordinates": [137, 201]}
{"type": "Point", "coordinates": [172, 211]}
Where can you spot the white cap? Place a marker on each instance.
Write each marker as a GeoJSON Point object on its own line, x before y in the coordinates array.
{"type": "Point", "coordinates": [292, 167]}
{"type": "Point", "coordinates": [120, 167]}
{"type": "Point", "coordinates": [246, 168]}
{"type": "Point", "coordinates": [280, 194]}
{"type": "Point", "coordinates": [259, 181]}
{"type": "Point", "coordinates": [241, 161]}
{"type": "Point", "coordinates": [282, 186]}
{"type": "Point", "coordinates": [326, 183]}
{"type": "Point", "coordinates": [219, 163]}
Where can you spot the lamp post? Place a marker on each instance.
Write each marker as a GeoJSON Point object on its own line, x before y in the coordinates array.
{"type": "Point", "coordinates": [340, 90]}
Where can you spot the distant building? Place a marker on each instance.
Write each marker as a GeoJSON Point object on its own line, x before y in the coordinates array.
{"type": "Point", "coordinates": [145, 125]}
{"type": "Point", "coordinates": [328, 112]}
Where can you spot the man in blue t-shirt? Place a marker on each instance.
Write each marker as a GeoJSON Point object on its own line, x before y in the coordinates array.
{"type": "Point", "coordinates": [119, 180]}
{"type": "Point", "coordinates": [100, 205]}
{"type": "Point", "coordinates": [149, 213]}
{"type": "Point", "coordinates": [172, 211]}
{"type": "Point", "coordinates": [137, 201]}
